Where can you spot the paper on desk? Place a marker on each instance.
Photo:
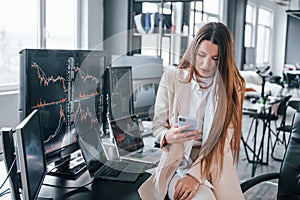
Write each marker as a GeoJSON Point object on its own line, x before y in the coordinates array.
{"type": "Point", "coordinates": [147, 124]}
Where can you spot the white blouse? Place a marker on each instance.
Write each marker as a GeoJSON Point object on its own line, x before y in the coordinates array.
{"type": "Point", "coordinates": [198, 101]}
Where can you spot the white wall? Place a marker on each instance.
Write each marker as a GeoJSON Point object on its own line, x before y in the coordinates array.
{"type": "Point", "coordinates": [279, 40]}
{"type": "Point", "coordinates": [9, 107]}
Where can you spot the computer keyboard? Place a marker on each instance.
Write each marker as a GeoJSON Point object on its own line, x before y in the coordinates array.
{"type": "Point", "coordinates": [113, 169]}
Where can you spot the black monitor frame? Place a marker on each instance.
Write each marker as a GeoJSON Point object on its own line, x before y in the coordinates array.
{"type": "Point", "coordinates": [10, 161]}
{"type": "Point", "coordinates": [120, 103]}
{"type": "Point", "coordinates": [30, 156]}
{"type": "Point", "coordinates": [64, 64]}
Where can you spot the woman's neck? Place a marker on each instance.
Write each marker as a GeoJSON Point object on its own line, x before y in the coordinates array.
{"type": "Point", "coordinates": [204, 82]}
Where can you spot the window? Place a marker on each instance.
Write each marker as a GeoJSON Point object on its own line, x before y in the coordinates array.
{"type": "Point", "coordinates": [258, 29]}
{"type": "Point", "coordinates": [18, 30]}
{"type": "Point", "coordinates": [206, 11]}
{"type": "Point", "coordinates": [263, 36]}
{"type": "Point", "coordinates": [250, 25]}
{"type": "Point", "coordinates": [60, 24]}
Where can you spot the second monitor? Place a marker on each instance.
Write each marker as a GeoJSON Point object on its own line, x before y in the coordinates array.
{"type": "Point", "coordinates": [120, 92]}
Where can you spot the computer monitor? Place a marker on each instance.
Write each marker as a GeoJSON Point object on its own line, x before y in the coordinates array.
{"type": "Point", "coordinates": [10, 160]}
{"type": "Point", "coordinates": [146, 75]}
{"type": "Point", "coordinates": [120, 92]}
{"type": "Point", "coordinates": [67, 87]}
{"type": "Point", "coordinates": [144, 96]}
{"type": "Point", "coordinates": [30, 156]}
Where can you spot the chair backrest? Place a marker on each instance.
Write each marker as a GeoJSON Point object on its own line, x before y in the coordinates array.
{"type": "Point", "coordinates": [295, 104]}
{"type": "Point", "coordinates": [289, 179]}
{"type": "Point", "coordinates": [283, 105]}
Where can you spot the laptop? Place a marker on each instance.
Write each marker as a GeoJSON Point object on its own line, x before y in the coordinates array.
{"type": "Point", "coordinates": [130, 144]}
{"type": "Point", "coordinates": [100, 167]}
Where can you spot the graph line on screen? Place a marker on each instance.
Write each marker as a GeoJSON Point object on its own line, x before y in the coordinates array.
{"type": "Point", "coordinates": [84, 114]}
{"type": "Point", "coordinates": [62, 119]}
{"type": "Point", "coordinates": [86, 76]}
{"type": "Point", "coordinates": [45, 80]}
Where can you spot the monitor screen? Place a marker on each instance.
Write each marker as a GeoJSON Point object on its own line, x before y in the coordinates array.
{"type": "Point", "coordinates": [67, 87]}
{"type": "Point", "coordinates": [120, 95]}
{"type": "Point", "coordinates": [126, 132]}
{"type": "Point", "coordinates": [144, 96]}
{"type": "Point", "coordinates": [30, 155]}
{"type": "Point", "coordinates": [146, 74]}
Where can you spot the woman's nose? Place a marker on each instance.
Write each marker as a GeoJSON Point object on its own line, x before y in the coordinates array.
{"type": "Point", "coordinates": [206, 62]}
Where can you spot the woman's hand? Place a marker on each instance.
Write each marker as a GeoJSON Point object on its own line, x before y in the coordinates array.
{"type": "Point", "coordinates": [186, 188]}
{"type": "Point", "coordinates": [176, 135]}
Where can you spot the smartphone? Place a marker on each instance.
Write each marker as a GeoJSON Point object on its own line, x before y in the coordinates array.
{"type": "Point", "coordinates": [184, 120]}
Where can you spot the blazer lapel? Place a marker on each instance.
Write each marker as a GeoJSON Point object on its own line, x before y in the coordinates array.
{"type": "Point", "coordinates": [183, 92]}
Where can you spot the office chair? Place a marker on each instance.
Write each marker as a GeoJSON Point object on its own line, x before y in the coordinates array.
{"type": "Point", "coordinates": [293, 83]}
{"type": "Point", "coordinates": [283, 127]}
{"type": "Point", "coordinates": [295, 104]}
{"type": "Point", "coordinates": [289, 174]}
{"type": "Point", "coordinates": [276, 79]}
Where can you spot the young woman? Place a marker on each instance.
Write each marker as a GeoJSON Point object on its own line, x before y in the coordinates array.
{"type": "Point", "coordinates": [206, 86]}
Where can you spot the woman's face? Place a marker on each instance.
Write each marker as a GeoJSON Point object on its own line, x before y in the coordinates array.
{"type": "Point", "coordinates": [207, 57]}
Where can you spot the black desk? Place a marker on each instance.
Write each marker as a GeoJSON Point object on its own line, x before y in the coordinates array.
{"type": "Point", "coordinates": [99, 189]}
{"type": "Point", "coordinates": [257, 150]}
{"type": "Point", "coordinates": [108, 190]}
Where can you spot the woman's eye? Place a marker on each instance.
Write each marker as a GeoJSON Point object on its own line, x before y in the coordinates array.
{"type": "Point", "coordinates": [201, 55]}
{"type": "Point", "coordinates": [215, 58]}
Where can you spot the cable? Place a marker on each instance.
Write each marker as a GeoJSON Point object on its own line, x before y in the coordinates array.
{"type": "Point", "coordinates": [7, 191]}
{"type": "Point", "coordinates": [69, 187]}
{"type": "Point", "coordinates": [8, 173]}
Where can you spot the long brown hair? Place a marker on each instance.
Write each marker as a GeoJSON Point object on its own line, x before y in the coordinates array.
{"type": "Point", "coordinates": [233, 87]}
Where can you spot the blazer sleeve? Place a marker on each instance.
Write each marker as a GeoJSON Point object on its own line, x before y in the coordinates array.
{"type": "Point", "coordinates": [163, 107]}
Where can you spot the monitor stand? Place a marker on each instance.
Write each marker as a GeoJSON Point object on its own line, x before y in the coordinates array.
{"type": "Point", "coordinates": [68, 168]}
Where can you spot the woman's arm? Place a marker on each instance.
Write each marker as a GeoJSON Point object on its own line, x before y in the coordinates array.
{"type": "Point", "coordinates": [161, 123]}
{"type": "Point", "coordinates": [165, 127]}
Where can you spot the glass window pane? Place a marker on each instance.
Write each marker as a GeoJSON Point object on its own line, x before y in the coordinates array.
{"type": "Point", "coordinates": [264, 17]}
{"type": "Point", "coordinates": [18, 30]}
{"type": "Point", "coordinates": [260, 45]}
{"type": "Point", "coordinates": [198, 5]}
{"type": "Point", "coordinates": [212, 6]}
{"type": "Point", "coordinates": [249, 13]}
{"type": "Point", "coordinates": [212, 19]}
{"type": "Point", "coordinates": [60, 24]}
{"type": "Point", "coordinates": [267, 45]}
{"type": "Point", "coordinates": [205, 17]}
{"type": "Point", "coordinates": [248, 35]}
{"type": "Point", "coordinates": [198, 17]}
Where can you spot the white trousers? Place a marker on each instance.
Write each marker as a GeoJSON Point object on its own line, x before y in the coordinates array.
{"type": "Point", "coordinates": [203, 191]}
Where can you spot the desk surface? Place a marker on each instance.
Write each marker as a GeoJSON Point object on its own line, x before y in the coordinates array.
{"type": "Point", "coordinates": [99, 189]}
{"type": "Point", "coordinates": [295, 72]}
{"type": "Point", "coordinates": [110, 190]}
{"type": "Point", "coordinates": [248, 106]}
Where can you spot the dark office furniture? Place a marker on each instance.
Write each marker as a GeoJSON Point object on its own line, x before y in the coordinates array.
{"type": "Point", "coordinates": [258, 147]}
{"type": "Point", "coordinates": [289, 175]}
{"type": "Point", "coordinates": [99, 189]}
